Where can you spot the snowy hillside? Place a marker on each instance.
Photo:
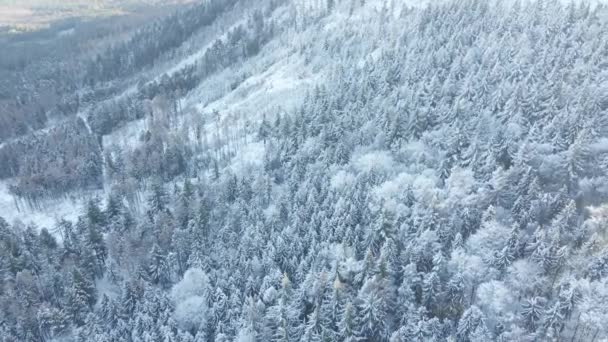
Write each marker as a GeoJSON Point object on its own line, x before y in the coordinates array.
{"type": "Point", "coordinates": [293, 170]}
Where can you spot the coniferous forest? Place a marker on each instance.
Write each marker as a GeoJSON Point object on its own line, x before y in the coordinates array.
{"type": "Point", "coordinates": [298, 170]}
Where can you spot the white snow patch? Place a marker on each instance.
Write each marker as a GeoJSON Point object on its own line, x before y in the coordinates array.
{"type": "Point", "coordinates": [248, 157]}
{"type": "Point", "coordinates": [281, 86]}
{"type": "Point", "coordinates": [600, 146]}
{"type": "Point", "coordinates": [190, 298]}
{"type": "Point", "coordinates": [394, 187]}
{"type": "Point", "coordinates": [381, 161]}
{"type": "Point", "coordinates": [51, 212]}
{"type": "Point", "coordinates": [342, 179]}
{"type": "Point", "coordinates": [461, 187]}
{"type": "Point", "coordinates": [126, 136]}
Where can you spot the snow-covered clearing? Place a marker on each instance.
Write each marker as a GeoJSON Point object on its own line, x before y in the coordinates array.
{"type": "Point", "coordinates": [50, 213]}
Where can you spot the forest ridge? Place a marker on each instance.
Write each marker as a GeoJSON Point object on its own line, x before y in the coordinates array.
{"type": "Point", "coordinates": [292, 170]}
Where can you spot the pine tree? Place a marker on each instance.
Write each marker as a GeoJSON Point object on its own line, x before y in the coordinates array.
{"type": "Point", "coordinates": [52, 322]}
{"type": "Point", "coordinates": [96, 244]}
{"type": "Point", "coordinates": [264, 130]}
{"type": "Point", "coordinates": [81, 297]}
{"type": "Point", "coordinates": [184, 205]}
{"type": "Point", "coordinates": [157, 202]}
{"type": "Point", "coordinates": [348, 325]}
{"type": "Point", "coordinates": [94, 213]}
{"type": "Point", "coordinates": [114, 208]}
{"type": "Point", "coordinates": [159, 268]}
{"type": "Point", "coordinates": [472, 320]}
{"type": "Point", "coordinates": [532, 311]}
{"type": "Point", "coordinates": [373, 308]}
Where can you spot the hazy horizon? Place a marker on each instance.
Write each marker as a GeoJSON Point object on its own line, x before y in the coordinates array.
{"type": "Point", "coordinates": [36, 14]}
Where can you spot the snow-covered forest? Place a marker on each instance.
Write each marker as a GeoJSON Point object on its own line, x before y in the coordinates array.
{"type": "Point", "coordinates": [299, 170]}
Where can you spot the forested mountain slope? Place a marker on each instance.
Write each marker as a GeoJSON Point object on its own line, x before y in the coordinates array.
{"type": "Point", "coordinates": [323, 171]}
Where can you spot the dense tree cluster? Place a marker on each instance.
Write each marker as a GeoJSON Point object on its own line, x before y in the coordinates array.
{"type": "Point", "coordinates": [158, 98]}
{"type": "Point", "coordinates": [241, 42]}
{"type": "Point", "coordinates": [446, 183]}
{"type": "Point", "coordinates": [41, 72]}
{"type": "Point", "coordinates": [65, 158]}
{"type": "Point", "coordinates": [150, 42]}
{"type": "Point", "coordinates": [49, 74]}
